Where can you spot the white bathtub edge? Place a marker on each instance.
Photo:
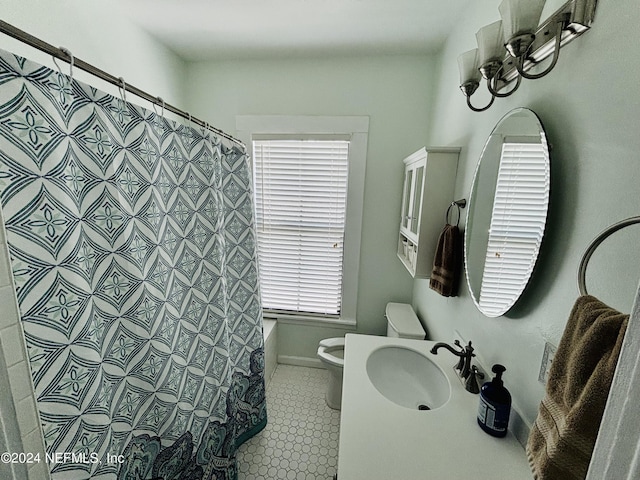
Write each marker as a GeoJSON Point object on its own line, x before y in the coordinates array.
{"type": "Point", "coordinates": [270, 348]}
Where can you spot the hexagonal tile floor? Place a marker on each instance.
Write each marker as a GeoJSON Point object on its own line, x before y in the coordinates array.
{"type": "Point", "coordinates": [300, 441]}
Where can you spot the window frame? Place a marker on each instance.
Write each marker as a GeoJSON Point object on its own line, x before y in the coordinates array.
{"type": "Point", "coordinates": [356, 130]}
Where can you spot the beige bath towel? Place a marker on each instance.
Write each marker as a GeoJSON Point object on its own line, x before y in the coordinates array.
{"type": "Point", "coordinates": [447, 261]}
{"type": "Point", "coordinates": [563, 436]}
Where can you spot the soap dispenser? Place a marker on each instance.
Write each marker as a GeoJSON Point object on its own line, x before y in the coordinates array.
{"type": "Point", "coordinates": [495, 405]}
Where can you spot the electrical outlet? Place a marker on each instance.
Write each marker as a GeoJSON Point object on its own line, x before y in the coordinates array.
{"type": "Point", "coordinates": [547, 359]}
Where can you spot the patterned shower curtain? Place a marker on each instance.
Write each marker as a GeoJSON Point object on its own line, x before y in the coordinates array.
{"type": "Point", "coordinates": [134, 258]}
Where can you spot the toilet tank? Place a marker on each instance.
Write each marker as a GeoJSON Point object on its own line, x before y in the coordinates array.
{"type": "Point", "coordinates": [403, 322]}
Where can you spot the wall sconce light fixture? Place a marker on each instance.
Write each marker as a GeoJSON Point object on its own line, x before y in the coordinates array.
{"type": "Point", "coordinates": [509, 48]}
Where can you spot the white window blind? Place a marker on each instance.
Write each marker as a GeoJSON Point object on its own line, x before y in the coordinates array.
{"type": "Point", "coordinates": [301, 192]}
{"type": "Point", "coordinates": [517, 224]}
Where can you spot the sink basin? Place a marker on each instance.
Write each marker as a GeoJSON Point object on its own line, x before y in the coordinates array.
{"type": "Point", "coordinates": [408, 378]}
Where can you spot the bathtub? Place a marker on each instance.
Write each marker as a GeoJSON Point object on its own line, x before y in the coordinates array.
{"type": "Point", "coordinates": [270, 348]}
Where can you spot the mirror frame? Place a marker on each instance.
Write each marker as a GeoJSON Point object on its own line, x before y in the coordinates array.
{"type": "Point", "coordinates": [511, 299]}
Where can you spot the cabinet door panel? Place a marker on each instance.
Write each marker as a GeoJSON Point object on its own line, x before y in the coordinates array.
{"type": "Point", "coordinates": [406, 202]}
{"type": "Point", "coordinates": [417, 199]}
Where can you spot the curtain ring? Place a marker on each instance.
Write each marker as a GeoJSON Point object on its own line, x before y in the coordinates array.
{"type": "Point", "coordinates": [68, 53]}
{"type": "Point", "coordinates": [71, 60]}
{"type": "Point", "coordinates": [161, 101]}
{"type": "Point", "coordinates": [123, 89]}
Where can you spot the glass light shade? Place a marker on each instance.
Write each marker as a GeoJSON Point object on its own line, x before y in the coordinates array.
{"type": "Point", "coordinates": [520, 16]}
{"type": "Point", "coordinates": [468, 66]}
{"type": "Point", "coordinates": [490, 43]}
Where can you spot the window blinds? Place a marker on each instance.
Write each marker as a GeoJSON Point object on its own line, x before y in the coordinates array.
{"type": "Point", "coordinates": [301, 192]}
{"type": "Point", "coordinates": [517, 224]}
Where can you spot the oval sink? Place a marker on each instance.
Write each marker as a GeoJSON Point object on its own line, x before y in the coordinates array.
{"type": "Point", "coordinates": [408, 378]}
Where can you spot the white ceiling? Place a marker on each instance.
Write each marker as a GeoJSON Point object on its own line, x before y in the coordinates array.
{"type": "Point", "coordinates": [218, 29]}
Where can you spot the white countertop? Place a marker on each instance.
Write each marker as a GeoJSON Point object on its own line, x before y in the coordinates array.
{"type": "Point", "coordinates": [380, 440]}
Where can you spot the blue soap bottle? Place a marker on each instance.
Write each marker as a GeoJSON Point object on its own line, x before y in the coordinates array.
{"type": "Point", "coordinates": [495, 405]}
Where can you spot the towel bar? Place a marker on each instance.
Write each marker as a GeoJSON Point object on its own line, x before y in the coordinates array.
{"type": "Point", "coordinates": [582, 269]}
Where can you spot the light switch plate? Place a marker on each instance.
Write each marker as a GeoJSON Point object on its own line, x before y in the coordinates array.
{"type": "Point", "coordinates": [547, 359]}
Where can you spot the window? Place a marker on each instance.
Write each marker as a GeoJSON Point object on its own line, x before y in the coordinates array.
{"type": "Point", "coordinates": [301, 199]}
{"type": "Point", "coordinates": [309, 190]}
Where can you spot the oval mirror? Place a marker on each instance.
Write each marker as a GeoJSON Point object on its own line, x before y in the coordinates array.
{"type": "Point", "coordinates": [507, 212]}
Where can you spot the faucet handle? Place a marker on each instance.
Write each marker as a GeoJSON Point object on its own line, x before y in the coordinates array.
{"type": "Point", "coordinates": [460, 365]}
{"type": "Point", "coordinates": [463, 349]}
{"type": "Point", "coordinates": [465, 371]}
{"type": "Point", "coordinates": [469, 349]}
{"type": "Point", "coordinates": [471, 385]}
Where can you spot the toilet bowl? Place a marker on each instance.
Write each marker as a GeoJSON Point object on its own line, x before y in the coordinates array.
{"type": "Point", "coordinates": [331, 353]}
{"type": "Point", "coordinates": [402, 322]}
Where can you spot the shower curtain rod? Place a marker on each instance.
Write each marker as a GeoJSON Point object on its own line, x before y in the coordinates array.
{"type": "Point", "coordinates": [63, 54]}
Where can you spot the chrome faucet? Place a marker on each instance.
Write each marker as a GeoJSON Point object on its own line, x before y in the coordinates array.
{"type": "Point", "coordinates": [465, 354]}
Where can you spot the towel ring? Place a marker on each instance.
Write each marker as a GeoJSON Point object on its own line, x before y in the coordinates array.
{"type": "Point", "coordinates": [582, 269]}
{"type": "Point", "coordinates": [458, 203]}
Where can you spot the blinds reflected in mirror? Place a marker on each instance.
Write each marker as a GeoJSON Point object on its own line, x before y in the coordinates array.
{"type": "Point", "coordinates": [517, 222]}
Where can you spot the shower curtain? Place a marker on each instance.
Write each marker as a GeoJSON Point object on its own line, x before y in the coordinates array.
{"type": "Point", "coordinates": [133, 252]}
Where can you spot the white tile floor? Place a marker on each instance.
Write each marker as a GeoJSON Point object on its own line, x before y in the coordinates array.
{"type": "Point", "coordinates": [300, 441]}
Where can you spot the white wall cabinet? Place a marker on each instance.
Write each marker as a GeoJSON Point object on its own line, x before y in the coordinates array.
{"type": "Point", "coordinates": [429, 181]}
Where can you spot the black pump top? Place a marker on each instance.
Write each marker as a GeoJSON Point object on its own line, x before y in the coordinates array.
{"type": "Point", "coordinates": [498, 370]}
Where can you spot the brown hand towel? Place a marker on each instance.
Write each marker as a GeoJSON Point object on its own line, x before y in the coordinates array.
{"type": "Point", "coordinates": [564, 434]}
{"type": "Point", "coordinates": [445, 275]}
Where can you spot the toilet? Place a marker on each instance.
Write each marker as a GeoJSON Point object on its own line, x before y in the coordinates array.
{"type": "Point", "coordinates": [402, 322]}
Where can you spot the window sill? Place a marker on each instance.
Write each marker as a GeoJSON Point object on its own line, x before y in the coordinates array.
{"type": "Point", "coordinates": [301, 319]}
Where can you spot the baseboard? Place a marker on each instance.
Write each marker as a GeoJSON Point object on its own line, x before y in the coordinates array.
{"type": "Point", "coordinates": [300, 361]}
